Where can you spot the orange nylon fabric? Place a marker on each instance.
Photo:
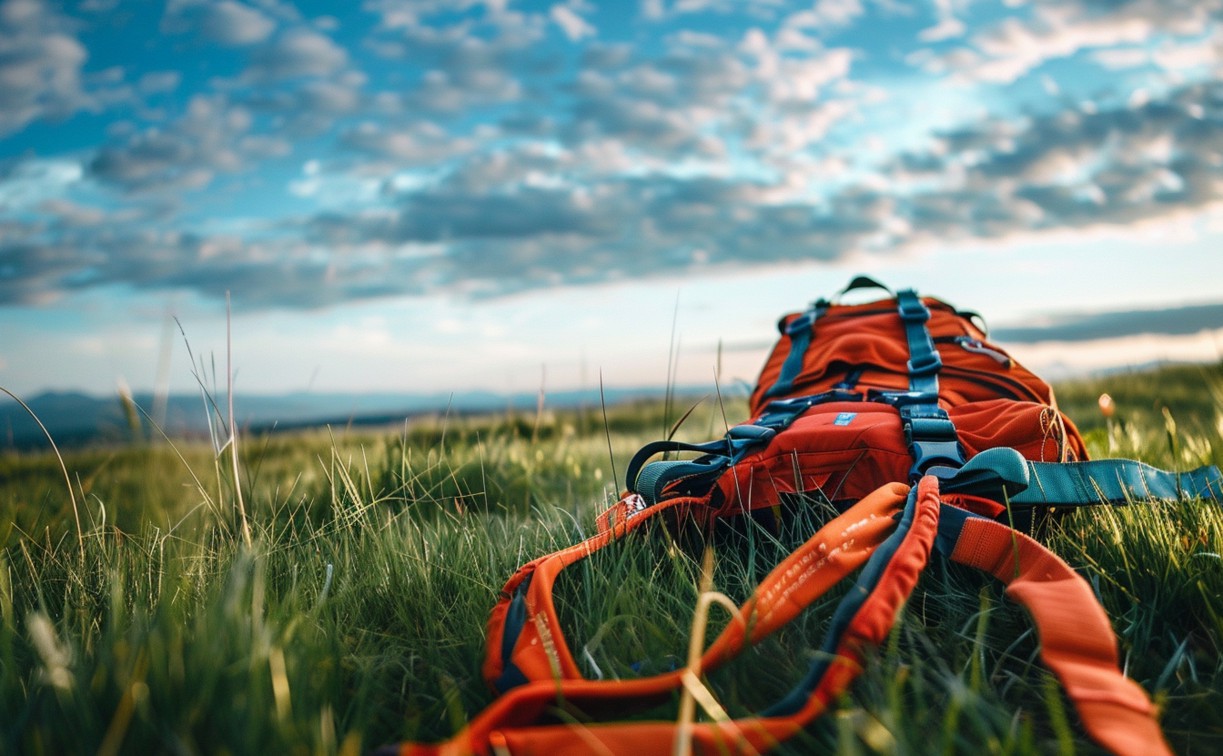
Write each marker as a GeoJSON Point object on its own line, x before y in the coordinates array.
{"type": "Point", "coordinates": [1077, 641]}
{"type": "Point", "coordinates": [511, 723]}
{"type": "Point", "coordinates": [871, 337]}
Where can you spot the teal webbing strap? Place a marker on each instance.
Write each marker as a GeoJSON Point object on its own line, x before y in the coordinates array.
{"type": "Point", "coordinates": [1005, 476]}
{"type": "Point", "coordinates": [929, 432]}
{"type": "Point", "coordinates": [924, 361]}
{"type": "Point", "coordinates": [800, 331]}
{"type": "Point", "coordinates": [1114, 481]}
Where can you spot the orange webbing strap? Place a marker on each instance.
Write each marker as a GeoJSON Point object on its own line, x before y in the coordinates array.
{"type": "Point", "coordinates": [524, 719]}
{"type": "Point", "coordinates": [1076, 639]}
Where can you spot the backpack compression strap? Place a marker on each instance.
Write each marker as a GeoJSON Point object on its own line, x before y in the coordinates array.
{"type": "Point", "coordinates": [801, 330]}
{"type": "Point", "coordinates": [523, 720]}
{"type": "Point", "coordinates": [928, 429]}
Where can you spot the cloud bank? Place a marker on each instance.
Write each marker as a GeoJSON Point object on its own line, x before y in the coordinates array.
{"type": "Point", "coordinates": [486, 149]}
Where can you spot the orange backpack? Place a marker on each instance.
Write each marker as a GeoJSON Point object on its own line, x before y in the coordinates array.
{"type": "Point", "coordinates": [929, 439]}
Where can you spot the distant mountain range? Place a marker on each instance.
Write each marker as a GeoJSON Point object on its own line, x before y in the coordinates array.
{"type": "Point", "coordinates": [74, 419]}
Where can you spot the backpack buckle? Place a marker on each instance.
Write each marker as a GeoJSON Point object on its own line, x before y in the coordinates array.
{"type": "Point", "coordinates": [928, 454]}
{"type": "Point", "coordinates": [932, 442]}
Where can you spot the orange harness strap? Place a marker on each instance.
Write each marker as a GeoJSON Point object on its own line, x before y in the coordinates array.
{"type": "Point", "coordinates": [515, 722]}
{"type": "Point", "coordinates": [550, 709]}
{"type": "Point", "coordinates": [1076, 638]}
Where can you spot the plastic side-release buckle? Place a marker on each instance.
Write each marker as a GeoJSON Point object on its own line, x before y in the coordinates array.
{"type": "Point", "coordinates": [932, 442]}
{"type": "Point", "coordinates": [919, 429]}
{"type": "Point", "coordinates": [928, 454]}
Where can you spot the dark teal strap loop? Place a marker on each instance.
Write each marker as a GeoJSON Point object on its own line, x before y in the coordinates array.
{"type": "Point", "coordinates": [863, 282]}
{"type": "Point", "coordinates": [699, 476]}
{"type": "Point", "coordinates": [720, 447]}
{"type": "Point", "coordinates": [924, 360]}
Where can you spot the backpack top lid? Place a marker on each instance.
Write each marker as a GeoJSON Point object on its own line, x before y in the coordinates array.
{"type": "Point", "coordinates": [870, 347]}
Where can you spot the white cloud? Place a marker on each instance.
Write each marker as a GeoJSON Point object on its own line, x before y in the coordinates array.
{"type": "Point", "coordinates": [1014, 48]}
{"type": "Point", "coordinates": [419, 142]}
{"type": "Point", "coordinates": [530, 174]}
{"type": "Point", "coordinates": [41, 64]}
{"type": "Point", "coordinates": [212, 136]}
{"type": "Point", "coordinates": [574, 26]}
{"type": "Point", "coordinates": [231, 23]}
{"type": "Point", "coordinates": [827, 15]}
{"type": "Point", "coordinates": [31, 182]}
{"type": "Point", "coordinates": [1118, 35]}
{"type": "Point", "coordinates": [297, 53]}
{"type": "Point", "coordinates": [1120, 58]}
{"type": "Point", "coordinates": [1206, 55]}
{"type": "Point", "coordinates": [946, 28]}
{"type": "Point", "coordinates": [159, 82]}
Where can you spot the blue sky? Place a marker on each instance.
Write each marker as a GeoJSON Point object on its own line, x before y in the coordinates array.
{"type": "Point", "coordinates": [401, 196]}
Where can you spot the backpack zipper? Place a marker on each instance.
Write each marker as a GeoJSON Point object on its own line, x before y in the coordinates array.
{"type": "Point", "coordinates": [976, 346]}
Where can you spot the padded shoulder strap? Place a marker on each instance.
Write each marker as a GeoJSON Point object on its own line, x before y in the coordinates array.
{"type": "Point", "coordinates": [1076, 639]}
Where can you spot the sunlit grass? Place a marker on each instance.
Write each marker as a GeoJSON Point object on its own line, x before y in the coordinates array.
{"type": "Point", "coordinates": [356, 616]}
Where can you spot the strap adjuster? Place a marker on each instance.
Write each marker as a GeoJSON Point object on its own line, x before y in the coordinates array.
{"type": "Point", "coordinates": [921, 429]}
{"type": "Point", "coordinates": [911, 308]}
{"type": "Point", "coordinates": [924, 363]}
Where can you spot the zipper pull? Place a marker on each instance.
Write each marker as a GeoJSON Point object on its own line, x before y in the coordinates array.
{"type": "Point", "coordinates": [976, 346]}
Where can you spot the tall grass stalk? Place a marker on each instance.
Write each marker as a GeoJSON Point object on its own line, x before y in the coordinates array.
{"type": "Point", "coordinates": [233, 426]}
{"type": "Point", "coordinates": [76, 512]}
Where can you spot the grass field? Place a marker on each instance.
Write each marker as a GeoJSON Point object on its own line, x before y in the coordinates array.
{"type": "Point", "coordinates": [136, 615]}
